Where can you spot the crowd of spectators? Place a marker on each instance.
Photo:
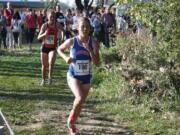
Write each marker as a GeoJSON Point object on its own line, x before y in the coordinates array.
{"type": "Point", "coordinates": [17, 22]}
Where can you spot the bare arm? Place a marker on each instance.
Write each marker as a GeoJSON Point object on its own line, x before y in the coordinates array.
{"type": "Point", "coordinates": [42, 32]}
{"type": "Point", "coordinates": [61, 49]}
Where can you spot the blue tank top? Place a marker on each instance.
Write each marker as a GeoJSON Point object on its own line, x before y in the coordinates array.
{"type": "Point", "coordinates": [82, 66]}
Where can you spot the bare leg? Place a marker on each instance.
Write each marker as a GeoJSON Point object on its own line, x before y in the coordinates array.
{"type": "Point", "coordinates": [44, 62]}
{"type": "Point", "coordinates": [80, 92]}
{"type": "Point", "coordinates": [52, 58]}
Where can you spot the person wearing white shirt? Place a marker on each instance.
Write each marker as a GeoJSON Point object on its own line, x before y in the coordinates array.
{"type": "Point", "coordinates": [16, 29]}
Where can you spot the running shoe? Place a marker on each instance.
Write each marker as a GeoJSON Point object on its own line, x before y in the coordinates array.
{"type": "Point", "coordinates": [49, 81]}
{"type": "Point", "coordinates": [42, 83]}
{"type": "Point", "coordinates": [71, 127]}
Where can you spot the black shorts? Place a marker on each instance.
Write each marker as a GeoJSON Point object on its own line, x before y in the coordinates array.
{"type": "Point", "coordinates": [47, 50]}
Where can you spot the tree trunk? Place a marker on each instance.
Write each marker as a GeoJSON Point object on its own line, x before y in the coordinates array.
{"type": "Point", "coordinates": [102, 3]}
{"type": "Point", "coordinates": [86, 2]}
{"type": "Point", "coordinates": [90, 4]}
{"type": "Point", "coordinates": [79, 4]}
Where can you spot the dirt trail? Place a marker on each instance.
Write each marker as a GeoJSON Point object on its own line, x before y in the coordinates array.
{"type": "Point", "coordinates": [91, 122]}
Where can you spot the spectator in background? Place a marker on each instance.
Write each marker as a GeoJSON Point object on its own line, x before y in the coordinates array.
{"type": "Point", "coordinates": [60, 19]}
{"type": "Point", "coordinates": [2, 30]}
{"type": "Point", "coordinates": [69, 22]}
{"type": "Point", "coordinates": [122, 25]}
{"type": "Point", "coordinates": [98, 27]}
{"type": "Point", "coordinates": [45, 19]}
{"type": "Point", "coordinates": [22, 15]}
{"type": "Point", "coordinates": [16, 28]}
{"type": "Point", "coordinates": [59, 15]}
{"type": "Point", "coordinates": [30, 23]}
{"type": "Point", "coordinates": [8, 14]}
{"type": "Point", "coordinates": [34, 14]}
{"type": "Point", "coordinates": [78, 14]}
{"type": "Point", "coordinates": [73, 11]}
{"type": "Point", "coordinates": [93, 15]}
{"type": "Point", "coordinates": [39, 20]}
{"type": "Point", "coordinates": [102, 10]}
{"type": "Point", "coordinates": [108, 22]}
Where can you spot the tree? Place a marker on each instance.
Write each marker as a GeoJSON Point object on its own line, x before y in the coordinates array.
{"type": "Point", "coordinates": [161, 16]}
{"type": "Point", "coordinates": [51, 3]}
{"type": "Point", "coordinates": [102, 3]}
{"type": "Point", "coordinates": [85, 5]}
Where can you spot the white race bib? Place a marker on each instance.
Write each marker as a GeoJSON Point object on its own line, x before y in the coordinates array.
{"type": "Point", "coordinates": [49, 39]}
{"type": "Point", "coordinates": [82, 67]}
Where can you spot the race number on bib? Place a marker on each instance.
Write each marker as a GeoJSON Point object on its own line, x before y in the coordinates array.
{"type": "Point", "coordinates": [49, 39]}
{"type": "Point", "coordinates": [82, 67]}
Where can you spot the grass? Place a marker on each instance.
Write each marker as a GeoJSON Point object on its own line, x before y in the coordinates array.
{"type": "Point", "coordinates": [21, 96]}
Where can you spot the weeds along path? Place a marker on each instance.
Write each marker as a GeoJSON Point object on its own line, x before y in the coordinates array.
{"type": "Point", "coordinates": [35, 110]}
